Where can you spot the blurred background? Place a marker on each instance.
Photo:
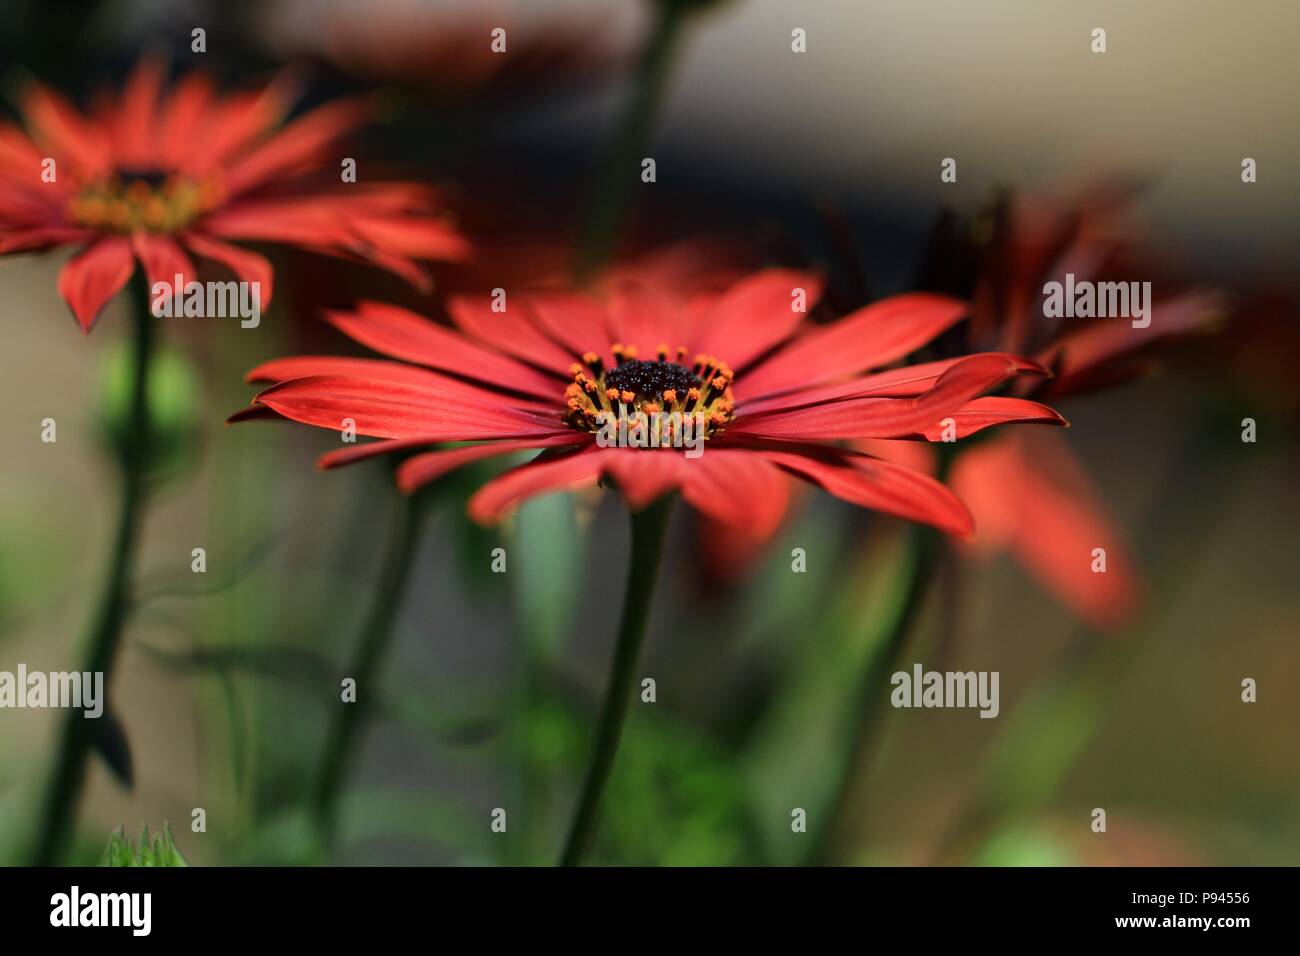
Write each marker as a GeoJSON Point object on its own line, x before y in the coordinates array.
{"type": "Point", "coordinates": [828, 159]}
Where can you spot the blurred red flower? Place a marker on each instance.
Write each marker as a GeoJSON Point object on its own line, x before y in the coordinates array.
{"type": "Point", "coordinates": [1030, 240]}
{"type": "Point", "coordinates": [155, 176]}
{"type": "Point", "coordinates": [456, 49]}
{"type": "Point", "coordinates": [772, 392]}
{"type": "Point", "coordinates": [1028, 494]}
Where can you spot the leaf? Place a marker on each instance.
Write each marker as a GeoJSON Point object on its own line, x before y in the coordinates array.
{"type": "Point", "coordinates": [546, 552]}
{"type": "Point", "coordinates": [109, 741]}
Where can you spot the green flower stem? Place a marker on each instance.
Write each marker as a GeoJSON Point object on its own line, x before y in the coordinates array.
{"type": "Point", "coordinates": [1065, 705]}
{"type": "Point", "coordinates": [367, 661]}
{"type": "Point", "coordinates": [926, 554]}
{"type": "Point", "coordinates": [133, 448]}
{"type": "Point", "coordinates": [649, 529]}
{"type": "Point", "coordinates": [621, 164]}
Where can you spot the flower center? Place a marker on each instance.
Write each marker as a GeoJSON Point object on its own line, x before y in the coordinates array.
{"type": "Point", "coordinates": [664, 392]}
{"type": "Point", "coordinates": [131, 199]}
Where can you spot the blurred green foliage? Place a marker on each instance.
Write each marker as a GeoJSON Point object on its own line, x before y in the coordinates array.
{"type": "Point", "coordinates": [157, 849]}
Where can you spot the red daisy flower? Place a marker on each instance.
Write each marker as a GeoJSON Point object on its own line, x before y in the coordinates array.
{"type": "Point", "coordinates": [155, 176]}
{"type": "Point", "coordinates": [1058, 519]}
{"type": "Point", "coordinates": [772, 391]}
{"type": "Point", "coordinates": [1034, 240]}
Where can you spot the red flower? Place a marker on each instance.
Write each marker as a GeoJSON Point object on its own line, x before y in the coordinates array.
{"type": "Point", "coordinates": [453, 50]}
{"type": "Point", "coordinates": [1029, 496]}
{"type": "Point", "coordinates": [773, 393]}
{"type": "Point", "coordinates": [1036, 240]}
{"type": "Point", "coordinates": [156, 176]}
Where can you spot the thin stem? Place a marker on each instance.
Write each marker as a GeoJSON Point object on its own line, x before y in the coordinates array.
{"type": "Point", "coordinates": [1092, 667]}
{"type": "Point", "coordinates": [133, 454]}
{"type": "Point", "coordinates": [621, 164]}
{"type": "Point", "coordinates": [649, 529]}
{"type": "Point", "coordinates": [927, 551]}
{"type": "Point", "coordinates": [371, 652]}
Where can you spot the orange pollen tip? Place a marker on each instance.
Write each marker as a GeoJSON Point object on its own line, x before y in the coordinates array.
{"type": "Point", "coordinates": [575, 370]}
{"type": "Point", "coordinates": [627, 396]}
{"type": "Point", "coordinates": [611, 394]}
{"type": "Point", "coordinates": [720, 382]}
{"type": "Point", "coordinates": [651, 408]}
{"type": "Point", "coordinates": [670, 395]}
{"type": "Point", "coordinates": [629, 351]}
{"type": "Point", "coordinates": [591, 358]}
{"type": "Point", "coordinates": [129, 200]}
{"type": "Point", "coordinates": [693, 395]}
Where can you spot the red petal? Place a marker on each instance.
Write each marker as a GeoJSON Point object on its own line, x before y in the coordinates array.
{"type": "Point", "coordinates": [645, 318]}
{"type": "Point", "coordinates": [575, 321]}
{"type": "Point", "coordinates": [398, 410]}
{"type": "Point", "coordinates": [906, 381]}
{"type": "Point", "coordinates": [39, 239]}
{"type": "Point", "coordinates": [1078, 354]}
{"type": "Point", "coordinates": [508, 331]}
{"type": "Point", "coordinates": [381, 370]}
{"type": "Point", "coordinates": [1028, 494]}
{"type": "Point", "coordinates": [134, 129]}
{"type": "Point", "coordinates": [412, 237]}
{"type": "Point", "coordinates": [371, 449]}
{"type": "Point", "coordinates": [738, 488]}
{"type": "Point", "coordinates": [239, 120]}
{"type": "Point", "coordinates": [868, 338]}
{"type": "Point", "coordinates": [91, 278]}
{"type": "Point", "coordinates": [163, 260]}
{"type": "Point", "coordinates": [247, 266]}
{"type": "Point", "coordinates": [644, 476]}
{"type": "Point", "coordinates": [422, 469]}
{"type": "Point", "coordinates": [405, 335]}
{"type": "Point", "coordinates": [915, 455]}
{"type": "Point", "coordinates": [256, 413]}
{"type": "Point", "coordinates": [184, 110]}
{"type": "Point", "coordinates": [754, 315]}
{"type": "Point", "coordinates": [20, 160]}
{"type": "Point", "coordinates": [411, 272]}
{"type": "Point", "coordinates": [550, 471]}
{"type": "Point", "coordinates": [982, 413]}
{"type": "Point", "coordinates": [884, 417]}
{"type": "Point", "coordinates": [870, 482]}
{"type": "Point", "coordinates": [60, 128]}
{"type": "Point", "coordinates": [298, 146]}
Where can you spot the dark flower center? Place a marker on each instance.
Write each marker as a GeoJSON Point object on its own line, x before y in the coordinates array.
{"type": "Point", "coordinates": [651, 379]}
{"type": "Point", "coordinates": [664, 393]}
{"type": "Point", "coordinates": [153, 178]}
